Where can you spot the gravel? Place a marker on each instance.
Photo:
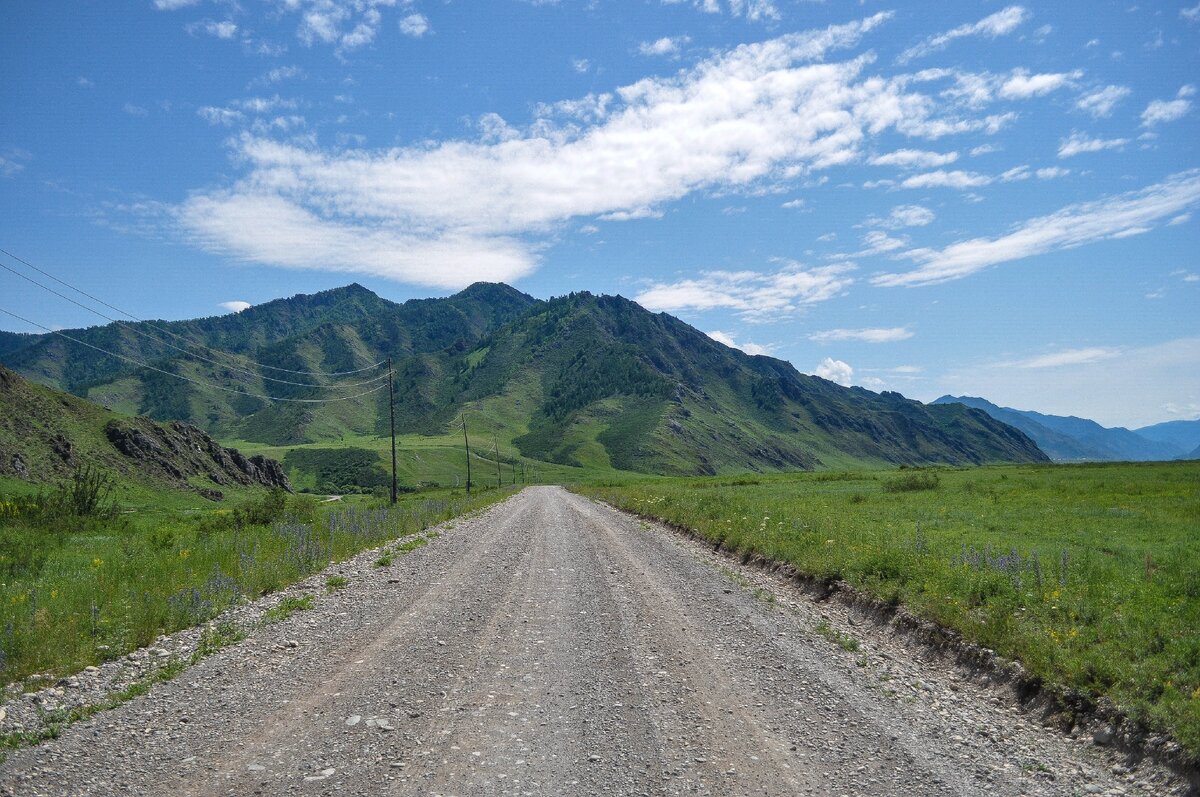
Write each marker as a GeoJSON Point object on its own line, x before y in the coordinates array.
{"type": "Point", "coordinates": [554, 646]}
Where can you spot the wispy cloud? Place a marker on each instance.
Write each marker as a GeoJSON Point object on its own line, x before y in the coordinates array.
{"type": "Point", "coordinates": [277, 75]}
{"type": "Point", "coordinates": [1059, 359]}
{"type": "Point", "coordinates": [914, 159]}
{"type": "Point", "coordinates": [1001, 23]}
{"type": "Point", "coordinates": [1100, 103]}
{"type": "Point", "coordinates": [1023, 85]}
{"type": "Point", "coordinates": [666, 46]}
{"type": "Point", "coordinates": [752, 294]}
{"type": "Point", "coordinates": [225, 29]}
{"type": "Point", "coordinates": [903, 216]}
{"type": "Point", "coordinates": [1160, 111]}
{"type": "Point", "coordinates": [1126, 214]}
{"type": "Point", "coordinates": [753, 10]}
{"type": "Point", "coordinates": [747, 346]}
{"type": "Point", "coordinates": [172, 5]}
{"type": "Point", "coordinates": [944, 179]}
{"type": "Point", "coordinates": [868, 335]}
{"type": "Point", "coordinates": [1077, 143]}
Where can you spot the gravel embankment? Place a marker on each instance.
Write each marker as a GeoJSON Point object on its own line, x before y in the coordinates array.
{"type": "Point", "coordinates": [554, 646]}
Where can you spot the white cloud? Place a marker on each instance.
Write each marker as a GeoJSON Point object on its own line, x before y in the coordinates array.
{"type": "Point", "coordinates": [793, 204]}
{"type": "Point", "coordinates": [984, 149]}
{"type": "Point", "coordinates": [1001, 23]}
{"type": "Point", "coordinates": [85, 82]}
{"type": "Point", "coordinates": [1100, 103]}
{"type": "Point", "coordinates": [750, 293]}
{"type": "Point", "coordinates": [835, 371]}
{"type": "Point", "coordinates": [667, 46]}
{"type": "Point", "coordinates": [277, 75]}
{"type": "Point", "coordinates": [877, 242]}
{"type": "Point", "coordinates": [1182, 218]}
{"type": "Point", "coordinates": [226, 29]}
{"type": "Point", "coordinates": [415, 25]}
{"type": "Point", "coordinates": [753, 10]}
{"type": "Point", "coordinates": [1160, 111]}
{"type": "Point", "coordinates": [219, 116]}
{"type": "Point", "coordinates": [171, 5]}
{"type": "Point", "coordinates": [760, 114]}
{"type": "Point", "coordinates": [581, 65]}
{"type": "Point", "coordinates": [903, 216]}
{"type": "Point", "coordinates": [1190, 14]}
{"type": "Point", "coordinates": [1051, 172]}
{"type": "Point", "coordinates": [1075, 225]}
{"type": "Point", "coordinates": [1023, 85]}
{"type": "Point", "coordinates": [1078, 142]}
{"type": "Point", "coordinates": [914, 159]}
{"type": "Point", "coordinates": [1066, 357]}
{"type": "Point", "coordinates": [236, 306]}
{"type": "Point", "coordinates": [347, 24]}
{"type": "Point", "coordinates": [135, 110]}
{"type": "Point", "coordinates": [12, 161]}
{"type": "Point", "coordinates": [868, 335]}
{"type": "Point", "coordinates": [944, 179]}
{"type": "Point", "coordinates": [727, 339]}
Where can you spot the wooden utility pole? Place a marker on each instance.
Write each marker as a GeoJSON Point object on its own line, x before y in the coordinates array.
{"type": "Point", "coordinates": [392, 416]}
{"type": "Point", "coordinates": [514, 470]}
{"type": "Point", "coordinates": [467, 449]}
{"type": "Point", "coordinates": [496, 456]}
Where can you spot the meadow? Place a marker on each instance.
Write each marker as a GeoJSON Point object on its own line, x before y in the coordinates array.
{"type": "Point", "coordinates": [83, 581]}
{"type": "Point", "coordinates": [1087, 574]}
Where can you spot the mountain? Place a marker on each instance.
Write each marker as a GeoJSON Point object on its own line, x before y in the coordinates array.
{"type": "Point", "coordinates": [1184, 435]}
{"type": "Point", "coordinates": [45, 435]}
{"type": "Point", "coordinates": [579, 380]}
{"type": "Point", "coordinates": [1193, 454]}
{"type": "Point", "coordinates": [1071, 439]}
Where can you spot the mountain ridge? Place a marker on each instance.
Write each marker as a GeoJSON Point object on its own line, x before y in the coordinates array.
{"type": "Point", "coordinates": [582, 380]}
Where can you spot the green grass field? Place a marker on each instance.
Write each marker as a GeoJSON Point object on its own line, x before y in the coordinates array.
{"type": "Point", "coordinates": [1089, 575]}
{"type": "Point", "coordinates": [76, 591]}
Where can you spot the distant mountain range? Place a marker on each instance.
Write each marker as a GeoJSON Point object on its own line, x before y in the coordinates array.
{"type": "Point", "coordinates": [1071, 439]}
{"type": "Point", "coordinates": [587, 380]}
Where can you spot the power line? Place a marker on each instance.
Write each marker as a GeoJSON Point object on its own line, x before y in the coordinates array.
{"type": "Point", "coordinates": [200, 382]}
{"type": "Point", "coordinates": [181, 337]}
{"type": "Point", "coordinates": [145, 334]}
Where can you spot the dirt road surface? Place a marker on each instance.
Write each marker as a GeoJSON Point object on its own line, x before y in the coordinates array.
{"type": "Point", "coordinates": [554, 646]}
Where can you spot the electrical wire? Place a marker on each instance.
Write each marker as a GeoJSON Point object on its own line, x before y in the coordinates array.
{"type": "Point", "coordinates": [200, 382]}
{"type": "Point", "coordinates": [180, 337]}
{"type": "Point", "coordinates": [145, 334]}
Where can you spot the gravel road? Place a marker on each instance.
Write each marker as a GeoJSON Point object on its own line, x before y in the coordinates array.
{"type": "Point", "coordinates": [555, 646]}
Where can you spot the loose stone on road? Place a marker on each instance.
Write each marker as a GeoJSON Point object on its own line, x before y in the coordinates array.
{"type": "Point", "coordinates": [555, 646]}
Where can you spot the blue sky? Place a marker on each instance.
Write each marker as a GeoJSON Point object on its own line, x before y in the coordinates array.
{"type": "Point", "coordinates": [983, 198]}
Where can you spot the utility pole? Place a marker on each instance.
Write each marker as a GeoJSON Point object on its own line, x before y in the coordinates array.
{"type": "Point", "coordinates": [514, 470]}
{"type": "Point", "coordinates": [392, 416]}
{"type": "Point", "coordinates": [496, 456]}
{"type": "Point", "coordinates": [467, 448]}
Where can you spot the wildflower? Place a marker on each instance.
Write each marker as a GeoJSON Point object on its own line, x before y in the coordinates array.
{"type": "Point", "coordinates": [184, 553]}
{"type": "Point", "coordinates": [97, 563]}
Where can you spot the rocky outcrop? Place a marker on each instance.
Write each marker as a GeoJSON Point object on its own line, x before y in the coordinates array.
{"type": "Point", "coordinates": [179, 451]}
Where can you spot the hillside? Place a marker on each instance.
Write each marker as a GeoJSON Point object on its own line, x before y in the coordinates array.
{"type": "Point", "coordinates": [45, 435]}
{"type": "Point", "coordinates": [581, 380]}
{"type": "Point", "coordinates": [1071, 439]}
{"type": "Point", "coordinates": [1184, 435]}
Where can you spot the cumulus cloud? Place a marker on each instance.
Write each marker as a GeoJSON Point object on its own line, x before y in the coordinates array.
{"type": "Point", "coordinates": [877, 242]}
{"type": "Point", "coordinates": [752, 294]}
{"type": "Point", "coordinates": [868, 335]}
{"type": "Point", "coordinates": [1160, 111]}
{"type": "Point", "coordinates": [236, 306]}
{"type": "Point", "coordinates": [914, 159]}
{"type": "Point", "coordinates": [415, 25]}
{"type": "Point", "coordinates": [666, 46]}
{"type": "Point", "coordinates": [1077, 143]}
{"type": "Point", "coordinates": [226, 29]}
{"type": "Point", "coordinates": [835, 371]}
{"type": "Point", "coordinates": [727, 339]}
{"type": "Point", "coordinates": [347, 24]}
{"type": "Point", "coordinates": [1131, 213]}
{"type": "Point", "coordinates": [1001, 23]}
{"type": "Point", "coordinates": [1100, 103]}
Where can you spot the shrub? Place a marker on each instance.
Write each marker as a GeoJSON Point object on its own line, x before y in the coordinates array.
{"type": "Point", "coordinates": [912, 482]}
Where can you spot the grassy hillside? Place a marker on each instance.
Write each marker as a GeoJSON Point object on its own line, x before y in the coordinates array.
{"type": "Point", "coordinates": [1086, 573]}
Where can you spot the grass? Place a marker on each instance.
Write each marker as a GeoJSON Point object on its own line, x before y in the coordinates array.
{"type": "Point", "coordinates": [287, 607]}
{"type": "Point", "coordinates": [85, 589]}
{"type": "Point", "coordinates": [843, 641]}
{"type": "Point", "coordinates": [1087, 574]}
{"type": "Point", "coordinates": [334, 583]}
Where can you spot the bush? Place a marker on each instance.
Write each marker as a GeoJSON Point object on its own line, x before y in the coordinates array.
{"type": "Point", "coordinates": [912, 482]}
